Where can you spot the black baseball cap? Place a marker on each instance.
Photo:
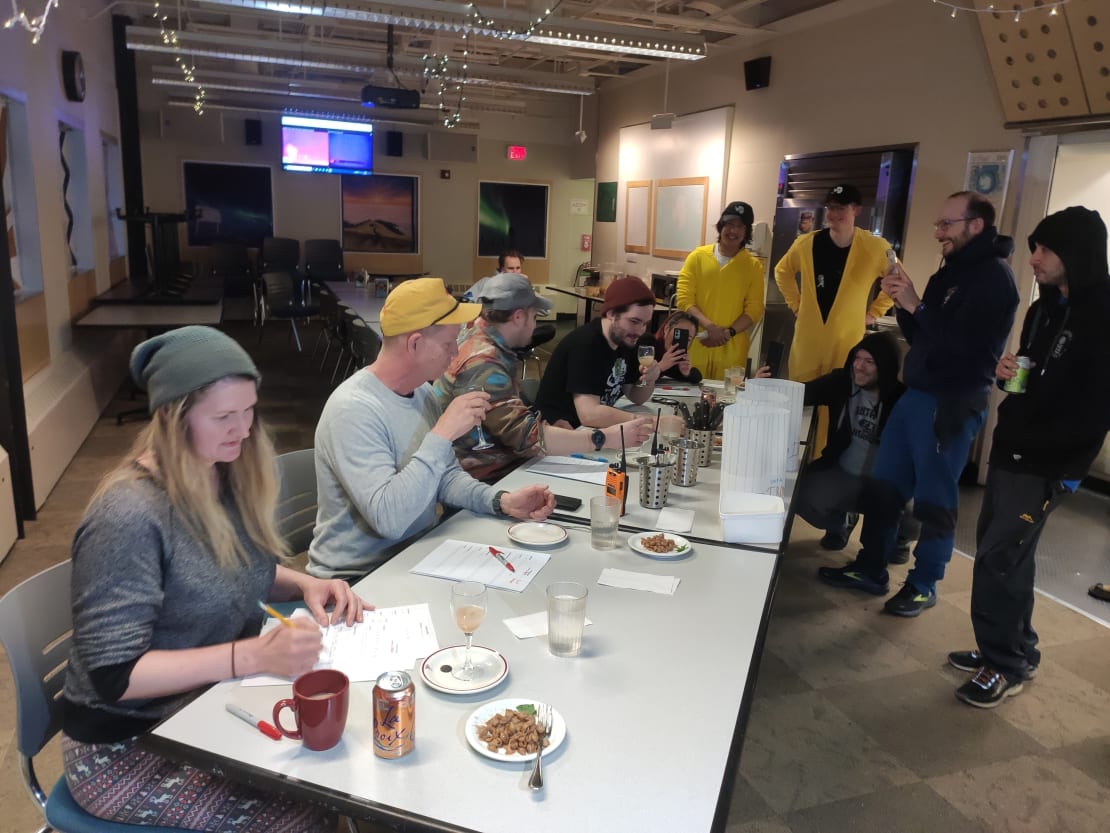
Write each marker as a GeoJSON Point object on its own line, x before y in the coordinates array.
{"type": "Point", "coordinates": [844, 194]}
{"type": "Point", "coordinates": [737, 211]}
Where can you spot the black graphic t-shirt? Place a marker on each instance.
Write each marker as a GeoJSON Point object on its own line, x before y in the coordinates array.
{"type": "Point", "coordinates": [583, 362]}
{"type": "Point", "coordinates": [863, 416]}
{"type": "Point", "coordinates": [828, 269]}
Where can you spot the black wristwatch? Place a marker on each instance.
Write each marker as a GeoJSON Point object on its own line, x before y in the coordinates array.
{"type": "Point", "coordinates": [731, 332]}
{"type": "Point", "coordinates": [497, 510]}
{"type": "Point", "coordinates": [598, 438]}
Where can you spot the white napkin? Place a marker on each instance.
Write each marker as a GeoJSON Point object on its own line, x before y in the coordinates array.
{"type": "Point", "coordinates": [534, 624]}
{"type": "Point", "coordinates": [639, 581]}
{"type": "Point", "coordinates": [676, 520]}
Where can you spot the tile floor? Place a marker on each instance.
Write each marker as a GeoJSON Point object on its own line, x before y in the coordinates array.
{"type": "Point", "coordinates": [854, 727]}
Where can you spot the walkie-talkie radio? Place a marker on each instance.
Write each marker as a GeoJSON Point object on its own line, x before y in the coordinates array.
{"type": "Point", "coordinates": [616, 478]}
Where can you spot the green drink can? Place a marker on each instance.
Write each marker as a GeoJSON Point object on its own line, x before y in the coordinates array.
{"type": "Point", "coordinates": [1017, 382]}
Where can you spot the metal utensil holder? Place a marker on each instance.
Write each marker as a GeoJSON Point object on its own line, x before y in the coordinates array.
{"type": "Point", "coordinates": [687, 459]}
{"type": "Point", "coordinates": [705, 440]}
{"type": "Point", "coordinates": [655, 480]}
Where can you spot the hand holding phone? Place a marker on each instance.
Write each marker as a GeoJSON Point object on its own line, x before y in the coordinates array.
{"type": "Point", "coordinates": [681, 337]}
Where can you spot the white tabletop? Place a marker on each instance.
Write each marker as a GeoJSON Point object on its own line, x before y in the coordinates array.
{"type": "Point", "coordinates": [359, 298]}
{"type": "Point", "coordinates": [652, 705]}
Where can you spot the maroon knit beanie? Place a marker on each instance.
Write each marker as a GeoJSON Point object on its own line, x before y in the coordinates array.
{"type": "Point", "coordinates": [625, 291]}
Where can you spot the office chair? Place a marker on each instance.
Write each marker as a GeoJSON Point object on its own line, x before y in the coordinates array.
{"type": "Point", "coordinates": [36, 627]}
{"type": "Point", "coordinates": [282, 298]}
{"type": "Point", "coordinates": [296, 509]}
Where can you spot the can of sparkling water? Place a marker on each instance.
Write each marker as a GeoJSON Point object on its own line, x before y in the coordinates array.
{"type": "Point", "coordinates": [1017, 382]}
{"type": "Point", "coordinates": [394, 715]}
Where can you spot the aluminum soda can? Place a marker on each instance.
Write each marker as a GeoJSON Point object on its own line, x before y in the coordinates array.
{"type": "Point", "coordinates": [394, 715]}
{"type": "Point", "coordinates": [1017, 382]}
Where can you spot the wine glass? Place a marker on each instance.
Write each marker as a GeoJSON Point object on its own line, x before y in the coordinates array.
{"type": "Point", "coordinates": [645, 354]}
{"type": "Point", "coordinates": [483, 442]}
{"type": "Point", "coordinates": [468, 603]}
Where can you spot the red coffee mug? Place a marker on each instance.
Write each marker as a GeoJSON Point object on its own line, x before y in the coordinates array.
{"type": "Point", "coordinates": [319, 705]}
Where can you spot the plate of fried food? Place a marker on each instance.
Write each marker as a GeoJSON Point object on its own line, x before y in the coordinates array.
{"type": "Point", "coordinates": [505, 730]}
{"type": "Point", "coordinates": [663, 545]}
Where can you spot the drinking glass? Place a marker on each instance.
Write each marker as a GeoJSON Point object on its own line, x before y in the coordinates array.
{"type": "Point", "coordinates": [483, 440]}
{"type": "Point", "coordinates": [646, 356]}
{"type": "Point", "coordinates": [468, 603]}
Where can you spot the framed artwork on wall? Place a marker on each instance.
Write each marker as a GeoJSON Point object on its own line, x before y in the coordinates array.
{"type": "Point", "coordinates": [228, 203]}
{"type": "Point", "coordinates": [381, 213]}
{"type": "Point", "coordinates": [512, 215]}
{"type": "Point", "coordinates": [679, 215]}
{"type": "Point", "coordinates": [637, 216]}
{"type": "Point", "coordinates": [988, 173]}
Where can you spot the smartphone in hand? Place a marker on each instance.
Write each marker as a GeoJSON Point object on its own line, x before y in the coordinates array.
{"type": "Point", "coordinates": [681, 338]}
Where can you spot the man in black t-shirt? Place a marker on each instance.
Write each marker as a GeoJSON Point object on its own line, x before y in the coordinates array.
{"type": "Point", "coordinates": [596, 364]}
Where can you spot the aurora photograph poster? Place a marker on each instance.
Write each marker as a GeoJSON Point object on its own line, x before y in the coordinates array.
{"type": "Point", "coordinates": [512, 215]}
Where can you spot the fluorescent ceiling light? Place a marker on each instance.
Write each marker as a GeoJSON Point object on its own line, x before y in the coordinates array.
{"type": "Point", "coordinates": [651, 47]}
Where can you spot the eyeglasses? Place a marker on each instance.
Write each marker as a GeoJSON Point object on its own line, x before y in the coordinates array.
{"type": "Point", "coordinates": [944, 225]}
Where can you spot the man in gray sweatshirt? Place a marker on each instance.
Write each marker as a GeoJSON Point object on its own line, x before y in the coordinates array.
{"type": "Point", "coordinates": [384, 455]}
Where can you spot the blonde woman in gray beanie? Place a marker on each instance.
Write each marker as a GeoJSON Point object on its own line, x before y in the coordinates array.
{"type": "Point", "coordinates": [176, 549]}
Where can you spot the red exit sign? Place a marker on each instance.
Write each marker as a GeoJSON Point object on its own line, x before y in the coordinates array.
{"type": "Point", "coordinates": [517, 152]}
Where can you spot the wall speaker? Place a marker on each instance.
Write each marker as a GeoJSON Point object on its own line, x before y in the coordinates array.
{"type": "Point", "coordinates": [252, 131]}
{"type": "Point", "coordinates": [757, 73]}
{"type": "Point", "coordinates": [394, 143]}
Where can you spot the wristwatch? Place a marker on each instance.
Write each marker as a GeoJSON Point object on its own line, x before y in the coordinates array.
{"type": "Point", "coordinates": [598, 438]}
{"type": "Point", "coordinates": [731, 332]}
{"type": "Point", "coordinates": [497, 510]}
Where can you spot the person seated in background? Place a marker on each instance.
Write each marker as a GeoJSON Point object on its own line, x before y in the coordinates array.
{"type": "Point", "coordinates": [671, 351]}
{"type": "Point", "coordinates": [177, 547]}
{"type": "Point", "coordinates": [488, 361]}
{"type": "Point", "coordinates": [860, 397]}
{"type": "Point", "coordinates": [596, 364]}
{"type": "Point", "coordinates": [510, 262]}
{"type": "Point", "coordinates": [384, 453]}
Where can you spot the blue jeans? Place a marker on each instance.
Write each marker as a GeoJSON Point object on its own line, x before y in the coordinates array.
{"type": "Point", "coordinates": [912, 462]}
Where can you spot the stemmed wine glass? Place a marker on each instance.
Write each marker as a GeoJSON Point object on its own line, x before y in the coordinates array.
{"type": "Point", "coordinates": [645, 354]}
{"type": "Point", "coordinates": [483, 440]}
{"type": "Point", "coordinates": [468, 603]}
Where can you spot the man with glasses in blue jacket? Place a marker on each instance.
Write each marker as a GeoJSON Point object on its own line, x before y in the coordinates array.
{"type": "Point", "coordinates": [957, 333]}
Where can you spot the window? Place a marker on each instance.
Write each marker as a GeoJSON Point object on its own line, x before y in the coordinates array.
{"type": "Point", "coordinates": [19, 196]}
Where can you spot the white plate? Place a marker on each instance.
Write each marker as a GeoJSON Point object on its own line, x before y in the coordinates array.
{"type": "Point", "coordinates": [679, 542]}
{"type": "Point", "coordinates": [433, 675]}
{"type": "Point", "coordinates": [485, 712]}
{"type": "Point", "coordinates": [534, 534]}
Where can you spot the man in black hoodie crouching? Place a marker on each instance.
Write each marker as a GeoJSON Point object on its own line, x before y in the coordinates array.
{"type": "Point", "coordinates": [1044, 444]}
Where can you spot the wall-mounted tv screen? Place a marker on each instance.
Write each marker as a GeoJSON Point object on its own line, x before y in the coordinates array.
{"type": "Point", "coordinates": [326, 146]}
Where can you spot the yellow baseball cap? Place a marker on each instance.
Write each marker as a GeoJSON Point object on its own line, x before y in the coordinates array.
{"type": "Point", "coordinates": [420, 303]}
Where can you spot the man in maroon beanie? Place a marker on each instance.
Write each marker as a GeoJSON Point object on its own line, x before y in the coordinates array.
{"type": "Point", "coordinates": [596, 364]}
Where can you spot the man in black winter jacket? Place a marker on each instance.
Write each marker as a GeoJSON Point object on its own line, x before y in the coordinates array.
{"type": "Point", "coordinates": [860, 397]}
{"type": "Point", "coordinates": [1044, 444]}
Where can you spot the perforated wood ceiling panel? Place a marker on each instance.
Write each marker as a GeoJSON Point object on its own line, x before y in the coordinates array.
{"type": "Point", "coordinates": [1089, 21]}
{"type": "Point", "coordinates": [1034, 63]}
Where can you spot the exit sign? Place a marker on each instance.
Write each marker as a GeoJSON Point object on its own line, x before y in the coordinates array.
{"type": "Point", "coordinates": [517, 152]}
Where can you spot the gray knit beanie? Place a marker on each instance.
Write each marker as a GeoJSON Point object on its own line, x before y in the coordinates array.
{"type": "Point", "coordinates": [174, 364]}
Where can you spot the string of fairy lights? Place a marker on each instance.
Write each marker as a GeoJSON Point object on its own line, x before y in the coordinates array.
{"type": "Point", "coordinates": [35, 25]}
{"type": "Point", "coordinates": [1016, 9]}
{"type": "Point", "coordinates": [188, 70]}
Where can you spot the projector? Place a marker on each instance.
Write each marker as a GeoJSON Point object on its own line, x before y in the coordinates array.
{"type": "Point", "coordinates": [390, 97]}
{"type": "Point", "coordinates": [662, 121]}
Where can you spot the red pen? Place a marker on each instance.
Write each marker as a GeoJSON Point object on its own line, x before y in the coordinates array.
{"type": "Point", "coordinates": [500, 556]}
{"type": "Point", "coordinates": [262, 726]}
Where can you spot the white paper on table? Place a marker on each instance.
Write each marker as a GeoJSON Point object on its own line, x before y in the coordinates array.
{"type": "Point", "coordinates": [678, 389]}
{"type": "Point", "coordinates": [465, 561]}
{"type": "Point", "coordinates": [571, 468]}
{"type": "Point", "coordinates": [675, 520]}
{"type": "Point", "coordinates": [629, 580]}
{"type": "Point", "coordinates": [534, 624]}
{"type": "Point", "coordinates": [387, 639]}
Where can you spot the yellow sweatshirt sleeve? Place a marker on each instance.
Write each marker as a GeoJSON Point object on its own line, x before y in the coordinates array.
{"type": "Point", "coordinates": [785, 270]}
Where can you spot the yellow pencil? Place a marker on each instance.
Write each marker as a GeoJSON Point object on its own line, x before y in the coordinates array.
{"type": "Point", "coordinates": [283, 619]}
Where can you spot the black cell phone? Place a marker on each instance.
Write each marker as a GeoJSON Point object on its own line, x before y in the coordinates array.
{"type": "Point", "coordinates": [567, 504]}
{"type": "Point", "coordinates": [773, 360]}
{"type": "Point", "coordinates": [681, 337]}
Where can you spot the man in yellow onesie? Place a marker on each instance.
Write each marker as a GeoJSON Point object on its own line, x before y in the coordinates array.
{"type": "Point", "coordinates": [721, 285]}
{"type": "Point", "coordinates": [838, 266]}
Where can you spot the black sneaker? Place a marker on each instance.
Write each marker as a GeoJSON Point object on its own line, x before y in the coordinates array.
{"type": "Point", "coordinates": [909, 601]}
{"type": "Point", "coordinates": [834, 540]}
{"type": "Point", "coordinates": [901, 553]}
{"type": "Point", "coordinates": [852, 578]}
{"type": "Point", "coordinates": [987, 689]}
{"type": "Point", "coordinates": [973, 661]}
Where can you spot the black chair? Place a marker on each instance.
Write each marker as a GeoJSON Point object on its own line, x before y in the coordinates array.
{"type": "Point", "coordinates": [283, 298]}
{"type": "Point", "coordinates": [329, 324]}
{"type": "Point", "coordinates": [344, 324]}
{"type": "Point", "coordinates": [541, 335]}
{"type": "Point", "coordinates": [280, 254]}
{"type": "Point", "coordinates": [323, 261]}
{"type": "Point", "coordinates": [365, 344]}
{"type": "Point", "coordinates": [231, 266]}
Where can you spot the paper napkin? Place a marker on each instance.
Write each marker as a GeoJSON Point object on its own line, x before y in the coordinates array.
{"type": "Point", "coordinates": [639, 581]}
{"type": "Point", "coordinates": [676, 520]}
{"type": "Point", "coordinates": [534, 624]}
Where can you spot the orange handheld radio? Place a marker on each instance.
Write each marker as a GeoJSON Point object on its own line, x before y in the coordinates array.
{"type": "Point", "coordinates": [616, 478]}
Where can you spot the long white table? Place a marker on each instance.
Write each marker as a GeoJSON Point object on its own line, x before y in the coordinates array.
{"type": "Point", "coordinates": [655, 706]}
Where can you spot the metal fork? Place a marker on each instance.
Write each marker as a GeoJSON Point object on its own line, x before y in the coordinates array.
{"type": "Point", "coordinates": [543, 729]}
